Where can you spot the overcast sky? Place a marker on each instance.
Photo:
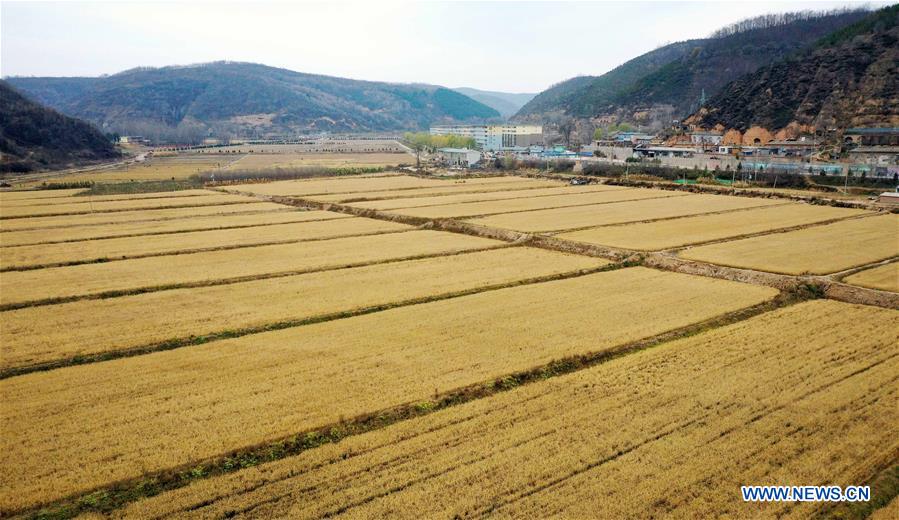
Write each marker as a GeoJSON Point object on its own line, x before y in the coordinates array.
{"type": "Point", "coordinates": [508, 46]}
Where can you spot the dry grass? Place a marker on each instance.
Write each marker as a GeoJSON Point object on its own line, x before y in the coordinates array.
{"type": "Point", "coordinates": [451, 197]}
{"type": "Point", "coordinates": [331, 160]}
{"type": "Point", "coordinates": [529, 204]}
{"type": "Point", "coordinates": [619, 213]}
{"type": "Point", "coordinates": [664, 234]}
{"type": "Point", "coordinates": [136, 216]}
{"type": "Point", "coordinates": [94, 424]}
{"type": "Point", "coordinates": [85, 205]}
{"type": "Point", "coordinates": [89, 232]}
{"type": "Point", "coordinates": [671, 432]}
{"type": "Point", "coordinates": [885, 278]}
{"type": "Point", "coordinates": [131, 247]}
{"type": "Point", "coordinates": [105, 198]}
{"type": "Point", "coordinates": [130, 275]}
{"type": "Point", "coordinates": [335, 185]}
{"type": "Point", "coordinates": [816, 250]}
{"type": "Point", "coordinates": [53, 332]}
{"type": "Point", "coordinates": [442, 195]}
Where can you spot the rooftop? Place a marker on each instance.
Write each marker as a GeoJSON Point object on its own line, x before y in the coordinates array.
{"type": "Point", "coordinates": [456, 150]}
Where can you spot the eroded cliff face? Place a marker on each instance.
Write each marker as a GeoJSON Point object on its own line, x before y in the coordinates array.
{"type": "Point", "coordinates": [851, 78]}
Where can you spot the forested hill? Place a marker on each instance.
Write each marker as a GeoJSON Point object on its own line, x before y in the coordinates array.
{"type": "Point", "coordinates": [249, 98]}
{"type": "Point", "coordinates": [849, 78]}
{"type": "Point", "coordinates": [671, 79]}
{"type": "Point", "coordinates": [33, 137]}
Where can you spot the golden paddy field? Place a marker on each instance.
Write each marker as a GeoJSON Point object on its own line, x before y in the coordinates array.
{"type": "Point", "coordinates": [744, 403]}
{"type": "Point", "coordinates": [186, 339]}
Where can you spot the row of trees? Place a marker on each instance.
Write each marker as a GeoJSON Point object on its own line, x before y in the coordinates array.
{"type": "Point", "coordinates": [777, 19]}
{"type": "Point", "coordinates": [425, 141]}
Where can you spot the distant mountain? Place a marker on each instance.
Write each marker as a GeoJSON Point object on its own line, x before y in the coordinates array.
{"type": "Point", "coordinates": [670, 82]}
{"type": "Point", "coordinates": [33, 137]}
{"type": "Point", "coordinates": [249, 99]}
{"type": "Point", "coordinates": [507, 104]}
{"type": "Point", "coordinates": [850, 78]}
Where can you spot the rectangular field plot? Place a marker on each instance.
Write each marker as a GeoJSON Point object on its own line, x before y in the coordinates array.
{"type": "Point", "coordinates": [885, 278]}
{"type": "Point", "coordinates": [457, 189]}
{"type": "Point", "coordinates": [106, 198]}
{"type": "Point", "coordinates": [132, 247]}
{"type": "Point", "coordinates": [120, 205]}
{"type": "Point", "coordinates": [74, 233]}
{"type": "Point", "coordinates": [453, 198]}
{"type": "Point", "coordinates": [638, 436]}
{"type": "Point", "coordinates": [136, 216]}
{"type": "Point", "coordinates": [94, 424]}
{"type": "Point", "coordinates": [471, 209]}
{"type": "Point", "coordinates": [337, 185]}
{"type": "Point", "coordinates": [619, 213]}
{"type": "Point", "coordinates": [664, 234]}
{"type": "Point", "coordinates": [10, 196]}
{"type": "Point", "coordinates": [19, 287]}
{"type": "Point", "coordinates": [53, 332]}
{"type": "Point", "coordinates": [815, 250]}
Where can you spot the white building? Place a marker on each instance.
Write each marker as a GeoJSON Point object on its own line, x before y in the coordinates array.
{"type": "Point", "coordinates": [460, 156]}
{"type": "Point", "coordinates": [496, 137]}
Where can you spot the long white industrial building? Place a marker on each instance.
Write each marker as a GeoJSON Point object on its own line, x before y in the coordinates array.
{"type": "Point", "coordinates": [496, 137]}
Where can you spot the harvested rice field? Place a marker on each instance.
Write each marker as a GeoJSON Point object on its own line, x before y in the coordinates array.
{"type": "Point", "coordinates": [88, 206]}
{"type": "Point", "coordinates": [459, 196]}
{"type": "Point", "coordinates": [471, 209]}
{"type": "Point", "coordinates": [166, 409]}
{"type": "Point", "coordinates": [142, 274]}
{"type": "Point", "coordinates": [53, 332]}
{"type": "Point", "coordinates": [152, 227]}
{"type": "Point", "coordinates": [10, 196]}
{"type": "Point", "coordinates": [341, 185]}
{"type": "Point", "coordinates": [884, 277]}
{"type": "Point", "coordinates": [102, 250]}
{"type": "Point", "coordinates": [136, 216]}
{"type": "Point", "coordinates": [205, 354]}
{"type": "Point", "coordinates": [814, 250]}
{"type": "Point", "coordinates": [103, 198]}
{"type": "Point", "coordinates": [746, 403]}
{"type": "Point", "coordinates": [619, 213]}
{"type": "Point", "coordinates": [665, 234]}
{"type": "Point", "coordinates": [461, 189]}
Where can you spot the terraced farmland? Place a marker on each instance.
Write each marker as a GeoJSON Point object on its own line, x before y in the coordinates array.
{"type": "Point", "coordinates": [744, 403]}
{"type": "Point", "coordinates": [40, 201]}
{"type": "Point", "coordinates": [619, 213]}
{"type": "Point", "coordinates": [461, 189]}
{"type": "Point", "coordinates": [75, 233]}
{"type": "Point", "coordinates": [884, 277]}
{"type": "Point", "coordinates": [214, 354]}
{"type": "Point", "coordinates": [22, 287]}
{"type": "Point", "coordinates": [368, 184]}
{"type": "Point", "coordinates": [470, 209]}
{"type": "Point", "coordinates": [84, 251]}
{"type": "Point", "coordinates": [57, 332]}
{"type": "Point", "coordinates": [664, 234]}
{"type": "Point", "coordinates": [19, 224]}
{"type": "Point", "coordinates": [164, 408]}
{"type": "Point", "coordinates": [459, 196]}
{"type": "Point", "coordinates": [847, 244]}
{"type": "Point", "coordinates": [87, 206]}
